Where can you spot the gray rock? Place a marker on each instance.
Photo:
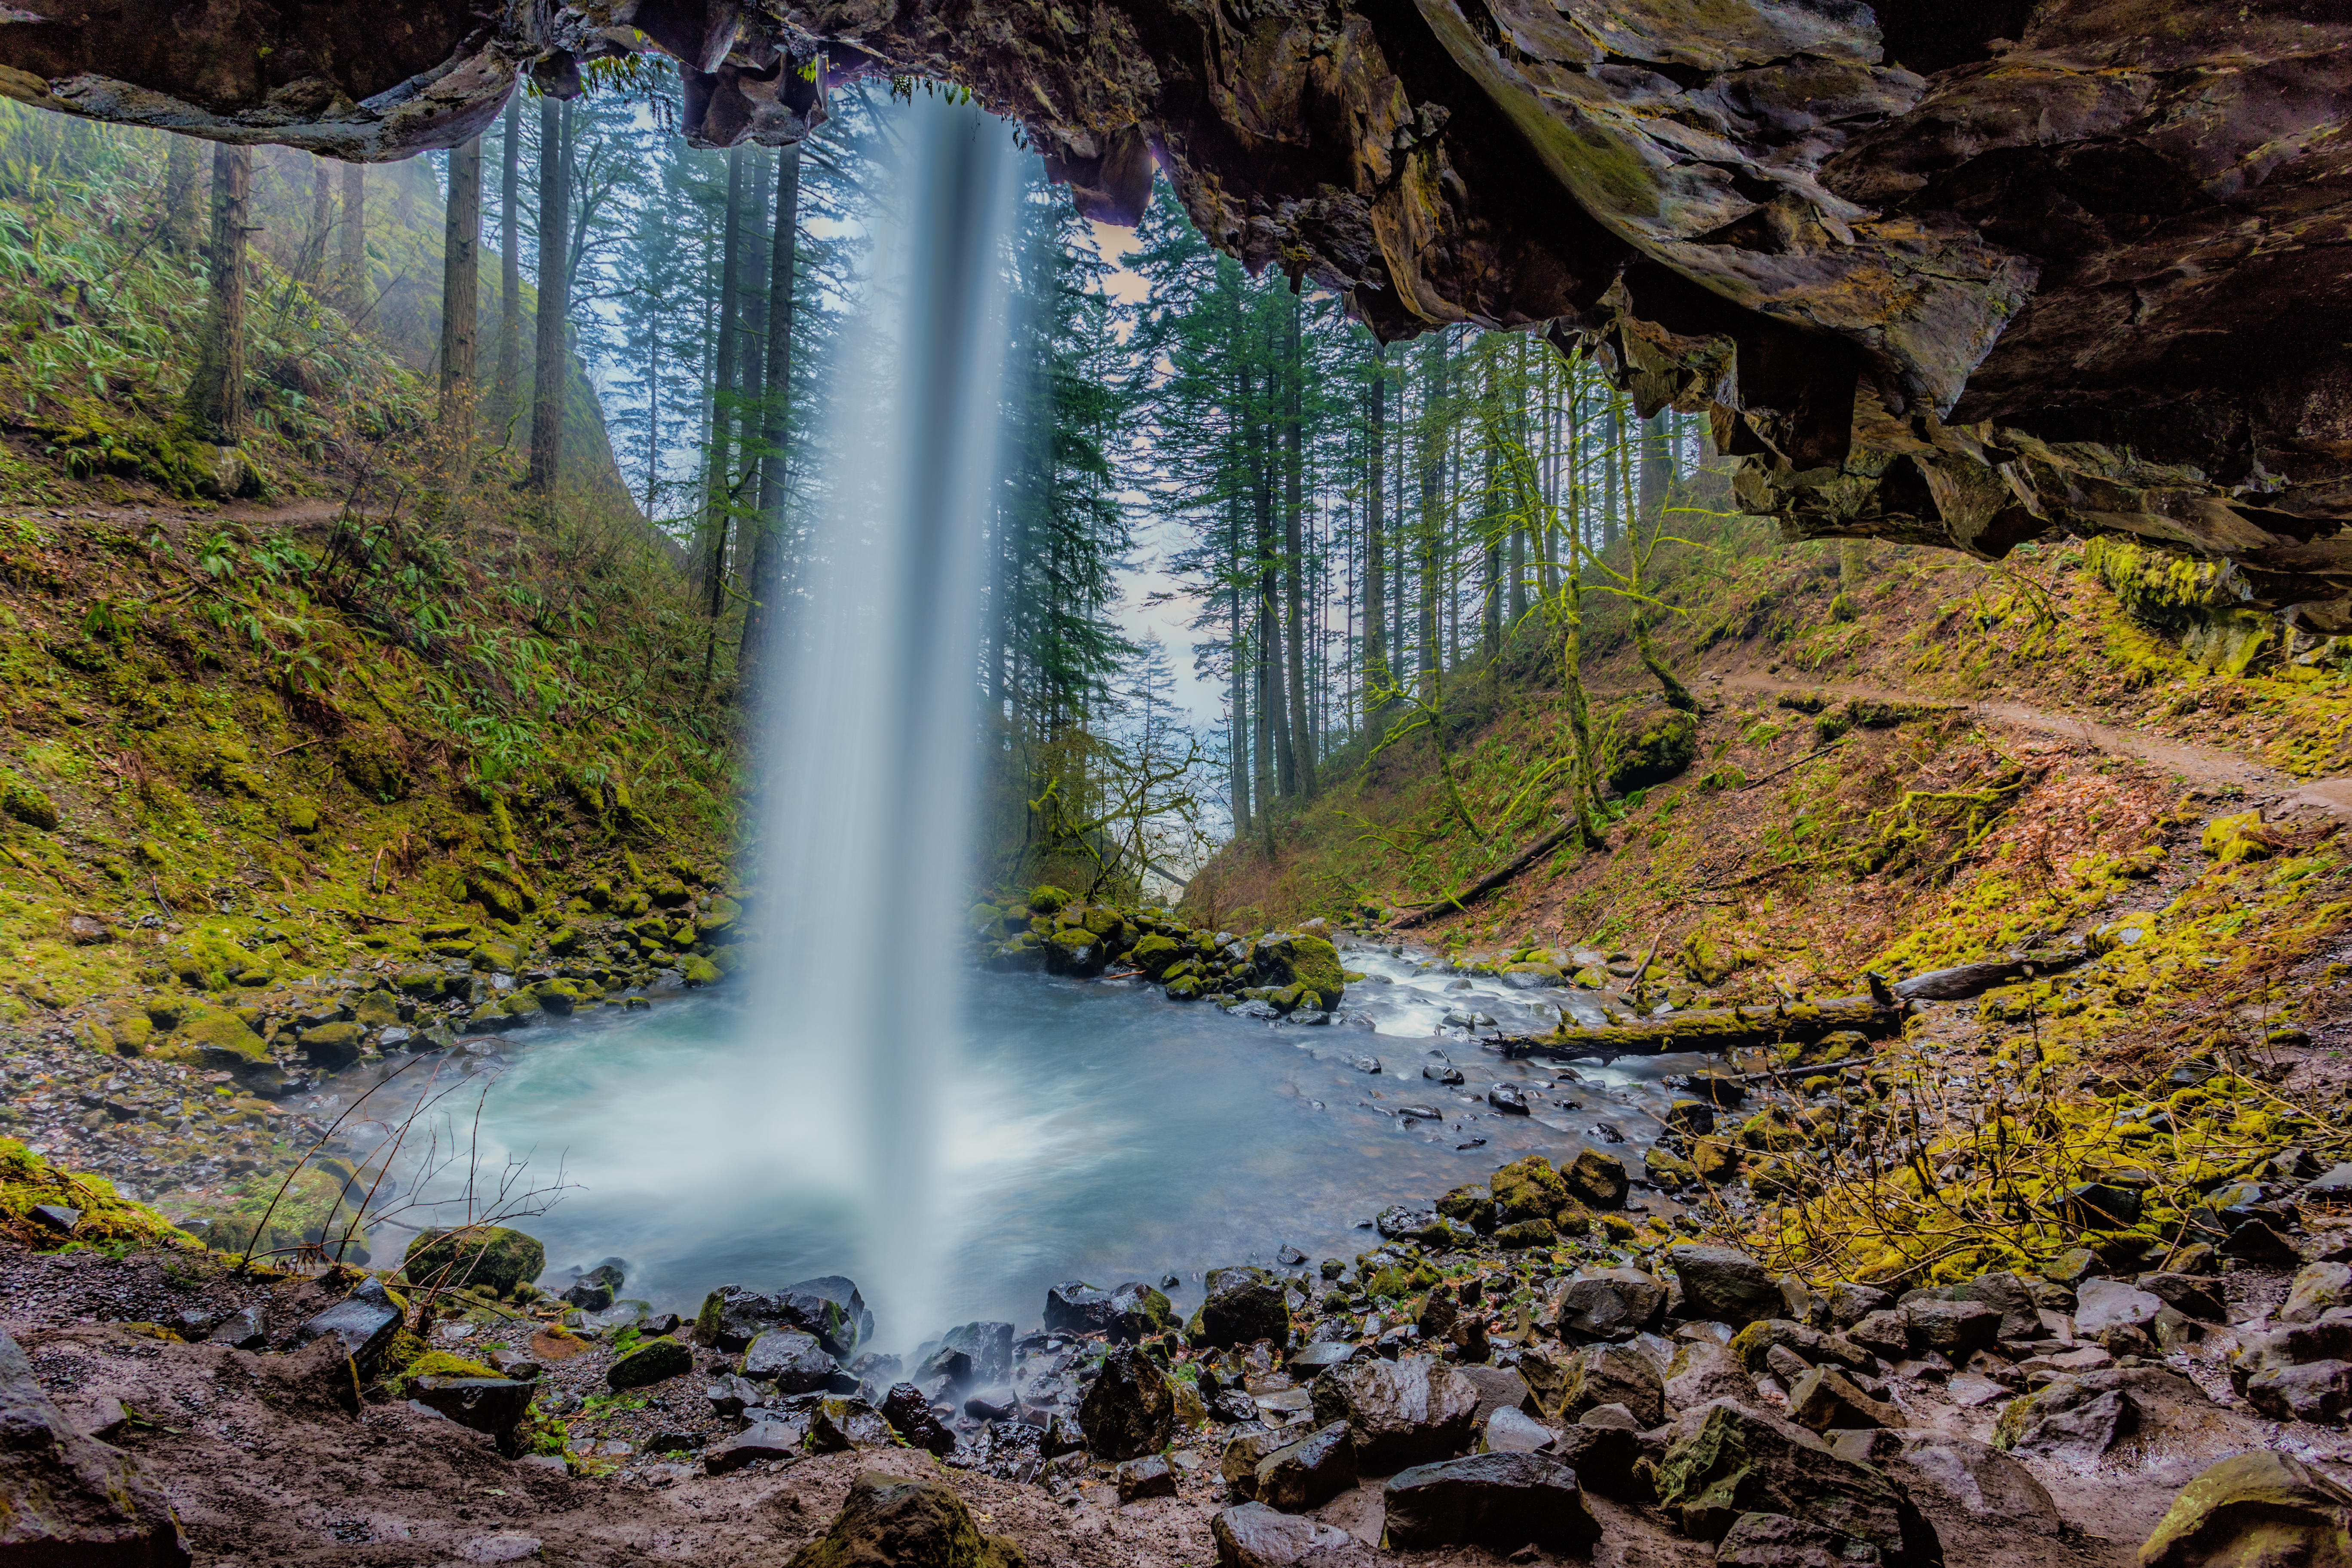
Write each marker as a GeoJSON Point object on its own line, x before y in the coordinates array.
{"type": "Point", "coordinates": [1724, 1285]}
{"type": "Point", "coordinates": [1507, 1431]}
{"type": "Point", "coordinates": [1703, 1373]}
{"type": "Point", "coordinates": [491, 1404]}
{"type": "Point", "coordinates": [838, 1424]}
{"type": "Point", "coordinates": [1245, 1305]}
{"type": "Point", "coordinates": [1131, 1408]}
{"type": "Point", "coordinates": [1848, 1304]}
{"type": "Point", "coordinates": [1727, 1460]}
{"type": "Point", "coordinates": [364, 1320]}
{"type": "Point", "coordinates": [1613, 1374]}
{"type": "Point", "coordinates": [2252, 1510]}
{"type": "Point", "coordinates": [987, 1345]}
{"type": "Point", "coordinates": [1148, 1476]}
{"type": "Point", "coordinates": [1776, 1540]}
{"type": "Point", "coordinates": [2319, 1392]}
{"type": "Point", "coordinates": [1252, 1535]}
{"type": "Point", "coordinates": [69, 1499]}
{"type": "Point", "coordinates": [246, 1329]}
{"type": "Point", "coordinates": [2317, 1286]}
{"type": "Point", "coordinates": [2189, 1295]}
{"type": "Point", "coordinates": [732, 1317]}
{"type": "Point", "coordinates": [1956, 1328]}
{"type": "Point", "coordinates": [1497, 1501]}
{"type": "Point", "coordinates": [1611, 1303]}
{"type": "Point", "coordinates": [793, 1361]}
{"type": "Point", "coordinates": [913, 1418]}
{"type": "Point", "coordinates": [2104, 1304]}
{"type": "Point", "coordinates": [1309, 1473]}
{"type": "Point", "coordinates": [1399, 1411]}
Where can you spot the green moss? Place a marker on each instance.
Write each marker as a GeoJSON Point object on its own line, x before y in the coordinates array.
{"type": "Point", "coordinates": [28, 804]}
{"type": "Point", "coordinates": [490, 1256]}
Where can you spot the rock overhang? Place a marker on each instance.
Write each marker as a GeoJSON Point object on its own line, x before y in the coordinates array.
{"type": "Point", "coordinates": [1962, 277]}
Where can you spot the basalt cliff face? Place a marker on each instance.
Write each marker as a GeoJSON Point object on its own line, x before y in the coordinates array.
{"type": "Point", "coordinates": [1957, 275]}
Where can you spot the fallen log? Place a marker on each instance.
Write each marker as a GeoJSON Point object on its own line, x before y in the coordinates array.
{"type": "Point", "coordinates": [1964, 980]}
{"type": "Point", "coordinates": [1484, 884]}
{"type": "Point", "coordinates": [1717, 1029]}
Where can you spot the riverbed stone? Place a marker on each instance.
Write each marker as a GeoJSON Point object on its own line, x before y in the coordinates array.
{"type": "Point", "coordinates": [364, 1322]}
{"type": "Point", "coordinates": [988, 1346]}
{"type": "Point", "coordinates": [1243, 1305]}
{"type": "Point", "coordinates": [1611, 1303]}
{"type": "Point", "coordinates": [1953, 1329]}
{"type": "Point", "coordinates": [790, 1359]}
{"type": "Point", "coordinates": [842, 1423]}
{"type": "Point", "coordinates": [493, 1256]}
{"type": "Point", "coordinates": [1500, 1500]}
{"type": "Point", "coordinates": [911, 1416]}
{"type": "Point", "coordinates": [1724, 1285]}
{"type": "Point", "coordinates": [2256, 1510]}
{"type": "Point", "coordinates": [1527, 1189]}
{"type": "Point", "coordinates": [1729, 1460]}
{"type": "Point", "coordinates": [1613, 1374]}
{"type": "Point", "coordinates": [1251, 1535]}
{"type": "Point", "coordinates": [1399, 1411]}
{"type": "Point", "coordinates": [1310, 1472]}
{"type": "Point", "coordinates": [920, 1523]}
{"type": "Point", "coordinates": [1131, 1409]}
{"type": "Point", "coordinates": [495, 1405]}
{"type": "Point", "coordinates": [2102, 1305]}
{"type": "Point", "coordinates": [656, 1360]}
{"type": "Point", "coordinates": [2319, 1392]}
{"type": "Point", "coordinates": [2317, 1288]}
{"type": "Point", "coordinates": [1597, 1180]}
{"type": "Point", "coordinates": [733, 1316]}
{"type": "Point", "coordinates": [1826, 1397]}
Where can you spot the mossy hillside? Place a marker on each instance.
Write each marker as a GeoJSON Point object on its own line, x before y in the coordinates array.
{"type": "Point", "coordinates": [251, 780]}
{"type": "Point", "coordinates": [107, 1219]}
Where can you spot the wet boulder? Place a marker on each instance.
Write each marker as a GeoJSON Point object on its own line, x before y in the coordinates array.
{"type": "Point", "coordinates": [1988, 1510]}
{"type": "Point", "coordinates": [1148, 1476]}
{"type": "Point", "coordinates": [656, 1360]}
{"type": "Point", "coordinates": [1285, 959]}
{"type": "Point", "coordinates": [1728, 1460]}
{"type": "Point", "coordinates": [2319, 1392]}
{"type": "Point", "coordinates": [1244, 1451]}
{"type": "Point", "coordinates": [1611, 1304]}
{"type": "Point", "coordinates": [1702, 1374]}
{"type": "Point", "coordinates": [1596, 1180]}
{"type": "Point", "coordinates": [363, 1320]}
{"type": "Point", "coordinates": [1502, 1501]}
{"type": "Point", "coordinates": [2102, 1306]}
{"type": "Point", "coordinates": [911, 1416]}
{"type": "Point", "coordinates": [733, 1316]}
{"type": "Point", "coordinates": [1527, 1189]}
{"type": "Point", "coordinates": [1399, 1411]}
{"type": "Point", "coordinates": [1724, 1285]}
{"type": "Point", "coordinates": [1825, 1398]}
{"type": "Point", "coordinates": [495, 1405]}
{"type": "Point", "coordinates": [1953, 1329]}
{"type": "Point", "coordinates": [1131, 1408]}
{"type": "Point", "coordinates": [761, 1441]}
{"type": "Point", "coordinates": [890, 1519]}
{"type": "Point", "coordinates": [840, 1424]}
{"type": "Point", "coordinates": [66, 1497]}
{"type": "Point", "coordinates": [2255, 1511]}
{"type": "Point", "coordinates": [2317, 1288]}
{"type": "Point", "coordinates": [792, 1360]}
{"type": "Point", "coordinates": [1245, 1305]}
{"type": "Point", "coordinates": [2081, 1416]}
{"type": "Point", "coordinates": [1612, 1375]}
{"type": "Point", "coordinates": [1251, 1535]}
{"type": "Point", "coordinates": [1653, 743]}
{"type": "Point", "coordinates": [1307, 1473]}
{"type": "Point", "coordinates": [1131, 1311]}
{"type": "Point", "coordinates": [988, 1347]}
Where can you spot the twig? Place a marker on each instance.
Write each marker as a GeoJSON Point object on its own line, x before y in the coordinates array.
{"type": "Point", "coordinates": [295, 747]}
{"type": "Point", "coordinates": [1800, 762]}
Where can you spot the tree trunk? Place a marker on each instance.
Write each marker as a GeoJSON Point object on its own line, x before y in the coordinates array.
{"type": "Point", "coordinates": [550, 353]}
{"type": "Point", "coordinates": [352, 276]}
{"type": "Point", "coordinates": [1376, 634]}
{"type": "Point", "coordinates": [1294, 464]}
{"type": "Point", "coordinates": [502, 406]}
{"type": "Point", "coordinates": [1657, 468]}
{"type": "Point", "coordinates": [769, 556]}
{"type": "Point", "coordinates": [215, 406]}
{"type": "Point", "coordinates": [1432, 495]}
{"type": "Point", "coordinates": [1717, 1029]}
{"type": "Point", "coordinates": [715, 520]}
{"type": "Point", "coordinates": [751, 413]}
{"type": "Point", "coordinates": [1612, 437]}
{"type": "Point", "coordinates": [182, 227]}
{"type": "Point", "coordinates": [313, 264]}
{"type": "Point", "coordinates": [461, 288]}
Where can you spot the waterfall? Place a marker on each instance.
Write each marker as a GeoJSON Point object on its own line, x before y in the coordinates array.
{"type": "Point", "coordinates": [869, 742]}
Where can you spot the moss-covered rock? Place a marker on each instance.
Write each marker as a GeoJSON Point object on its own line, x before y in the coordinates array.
{"type": "Point", "coordinates": [696, 970]}
{"type": "Point", "coordinates": [656, 1360]}
{"type": "Point", "coordinates": [214, 1029]}
{"type": "Point", "coordinates": [1652, 745]}
{"type": "Point", "coordinates": [2240, 837]}
{"type": "Point", "coordinates": [28, 804]}
{"type": "Point", "coordinates": [1047, 901]}
{"type": "Point", "coordinates": [332, 1045]}
{"type": "Point", "coordinates": [1527, 1189]}
{"type": "Point", "coordinates": [492, 1256]}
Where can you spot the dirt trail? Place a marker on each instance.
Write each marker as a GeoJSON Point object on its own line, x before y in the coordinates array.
{"type": "Point", "coordinates": [2202, 766]}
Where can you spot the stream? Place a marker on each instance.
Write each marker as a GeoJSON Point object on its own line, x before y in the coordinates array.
{"type": "Point", "coordinates": [1086, 1130]}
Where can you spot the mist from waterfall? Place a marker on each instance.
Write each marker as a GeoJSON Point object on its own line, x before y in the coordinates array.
{"type": "Point", "coordinates": [869, 754]}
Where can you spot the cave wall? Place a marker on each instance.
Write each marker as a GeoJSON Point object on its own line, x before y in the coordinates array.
{"type": "Point", "coordinates": [1957, 275]}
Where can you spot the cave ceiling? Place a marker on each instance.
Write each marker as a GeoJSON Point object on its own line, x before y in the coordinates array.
{"type": "Point", "coordinates": [1960, 275]}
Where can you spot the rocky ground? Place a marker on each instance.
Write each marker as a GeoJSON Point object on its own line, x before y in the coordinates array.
{"type": "Point", "coordinates": [1451, 1395]}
